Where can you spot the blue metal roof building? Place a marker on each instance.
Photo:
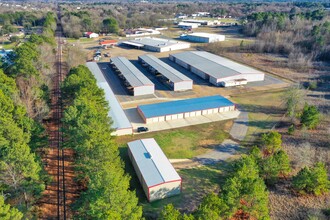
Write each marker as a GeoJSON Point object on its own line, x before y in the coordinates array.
{"type": "Point", "coordinates": [184, 108]}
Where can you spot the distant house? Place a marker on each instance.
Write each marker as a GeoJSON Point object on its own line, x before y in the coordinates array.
{"type": "Point", "coordinates": [108, 43]}
{"type": "Point", "coordinates": [91, 35]}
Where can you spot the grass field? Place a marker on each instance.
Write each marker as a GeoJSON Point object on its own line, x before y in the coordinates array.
{"type": "Point", "coordinates": [185, 142]}
{"type": "Point", "coordinates": [265, 110]}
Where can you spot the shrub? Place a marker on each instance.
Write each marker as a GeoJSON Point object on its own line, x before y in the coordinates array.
{"type": "Point", "coordinates": [291, 130]}
{"type": "Point", "coordinates": [312, 180]}
{"type": "Point", "coordinates": [310, 116]}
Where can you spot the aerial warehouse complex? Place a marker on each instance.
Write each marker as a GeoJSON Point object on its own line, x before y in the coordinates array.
{"type": "Point", "coordinates": [166, 73]}
{"type": "Point", "coordinates": [121, 124]}
{"type": "Point", "coordinates": [155, 172]}
{"type": "Point", "coordinates": [156, 44]}
{"type": "Point", "coordinates": [217, 70]}
{"type": "Point", "coordinates": [135, 81]}
{"type": "Point", "coordinates": [166, 111]}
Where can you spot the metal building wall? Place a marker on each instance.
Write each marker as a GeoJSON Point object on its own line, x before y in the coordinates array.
{"type": "Point", "coordinates": [164, 190]}
{"type": "Point", "coordinates": [199, 73]}
{"type": "Point", "coordinates": [184, 85]}
{"type": "Point", "coordinates": [144, 90]}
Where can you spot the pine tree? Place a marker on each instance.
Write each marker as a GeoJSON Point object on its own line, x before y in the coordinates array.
{"type": "Point", "coordinates": [7, 212]}
{"type": "Point", "coordinates": [312, 180]}
{"type": "Point", "coordinates": [271, 141]}
{"type": "Point", "coordinates": [310, 116]}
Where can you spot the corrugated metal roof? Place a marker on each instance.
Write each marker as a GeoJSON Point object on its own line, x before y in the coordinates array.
{"type": "Point", "coordinates": [156, 42]}
{"type": "Point", "coordinates": [152, 162]}
{"type": "Point", "coordinates": [117, 114]}
{"type": "Point", "coordinates": [130, 72]}
{"type": "Point", "coordinates": [183, 106]}
{"type": "Point", "coordinates": [132, 44]}
{"type": "Point", "coordinates": [166, 70]}
{"type": "Point", "coordinates": [213, 65]}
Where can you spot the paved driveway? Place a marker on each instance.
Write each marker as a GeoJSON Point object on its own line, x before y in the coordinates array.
{"type": "Point", "coordinates": [136, 120]}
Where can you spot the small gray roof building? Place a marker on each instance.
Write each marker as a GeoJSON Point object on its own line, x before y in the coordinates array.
{"type": "Point", "coordinates": [158, 177]}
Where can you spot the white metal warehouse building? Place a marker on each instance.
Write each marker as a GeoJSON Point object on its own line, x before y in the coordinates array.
{"type": "Point", "coordinates": [186, 25]}
{"type": "Point", "coordinates": [156, 44]}
{"type": "Point", "coordinates": [121, 124]}
{"type": "Point", "coordinates": [166, 111]}
{"type": "Point", "coordinates": [136, 81]}
{"type": "Point", "coordinates": [203, 37]}
{"type": "Point", "coordinates": [155, 172]}
{"type": "Point", "coordinates": [169, 75]}
{"type": "Point", "coordinates": [218, 70]}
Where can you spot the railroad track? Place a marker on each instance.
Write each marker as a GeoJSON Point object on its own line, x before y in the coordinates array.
{"type": "Point", "coordinates": [61, 180]}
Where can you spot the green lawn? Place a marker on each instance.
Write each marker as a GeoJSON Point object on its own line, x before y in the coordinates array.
{"type": "Point", "coordinates": [265, 110]}
{"type": "Point", "coordinates": [185, 142]}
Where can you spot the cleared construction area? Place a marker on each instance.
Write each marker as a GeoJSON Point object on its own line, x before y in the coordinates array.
{"type": "Point", "coordinates": [165, 73]}
{"type": "Point", "coordinates": [187, 108]}
{"type": "Point", "coordinates": [135, 81]}
{"type": "Point", "coordinates": [121, 124]}
{"type": "Point", "coordinates": [217, 70]}
{"type": "Point", "coordinates": [155, 172]}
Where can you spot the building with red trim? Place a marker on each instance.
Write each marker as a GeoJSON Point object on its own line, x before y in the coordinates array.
{"type": "Point", "coordinates": [108, 43]}
{"type": "Point", "coordinates": [155, 172]}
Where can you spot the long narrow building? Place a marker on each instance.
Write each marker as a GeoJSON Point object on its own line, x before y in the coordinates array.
{"type": "Point", "coordinates": [121, 124]}
{"type": "Point", "coordinates": [217, 70]}
{"type": "Point", "coordinates": [169, 75]}
{"type": "Point", "coordinates": [135, 80]}
{"type": "Point", "coordinates": [166, 111]}
{"type": "Point", "coordinates": [155, 172]}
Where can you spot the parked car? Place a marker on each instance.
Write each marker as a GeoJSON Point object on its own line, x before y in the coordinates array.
{"type": "Point", "coordinates": [142, 129]}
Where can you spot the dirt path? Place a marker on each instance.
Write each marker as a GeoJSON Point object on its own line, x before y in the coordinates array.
{"type": "Point", "coordinates": [226, 150]}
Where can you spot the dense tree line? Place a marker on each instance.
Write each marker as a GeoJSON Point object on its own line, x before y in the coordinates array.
{"type": "Point", "coordinates": [98, 165]}
{"type": "Point", "coordinates": [21, 134]}
{"type": "Point", "coordinates": [21, 179]}
{"type": "Point", "coordinates": [32, 67]}
{"type": "Point", "coordinates": [303, 36]}
{"type": "Point", "coordinates": [19, 18]}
